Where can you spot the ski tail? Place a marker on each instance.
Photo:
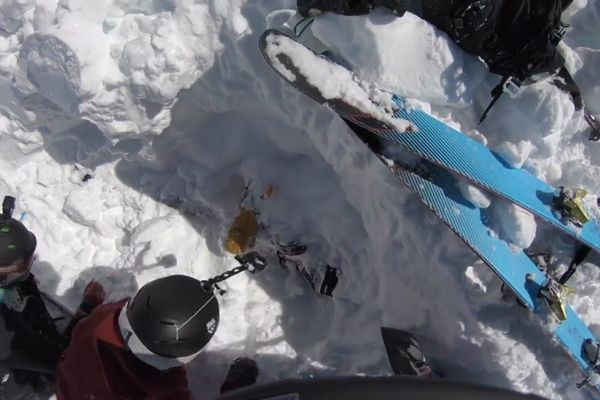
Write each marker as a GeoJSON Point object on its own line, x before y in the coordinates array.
{"type": "Point", "coordinates": [404, 353]}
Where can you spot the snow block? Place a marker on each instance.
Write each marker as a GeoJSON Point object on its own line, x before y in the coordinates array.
{"type": "Point", "coordinates": [65, 66]}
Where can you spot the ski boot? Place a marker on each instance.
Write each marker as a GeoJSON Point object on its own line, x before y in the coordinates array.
{"type": "Point", "coordinates": [288, 253]}
{"type": "Point", "coordinates": [405, 354]}
{"type": "Point", "coordinates": [569, 203]}
{"type": "Point", "coordinates": [289, 259]}
{"type": "Point", "coordinates": [291, 248]}
{"type": "Point", "coordinates": [242, 372]}
{"type": "Point", "coordinates": [555, 294]}
{"type": "Point", "coordinates": [590, 351]}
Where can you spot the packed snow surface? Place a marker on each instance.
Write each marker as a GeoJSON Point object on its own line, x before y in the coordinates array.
{"type": "Point", "coordinates": [129, 129]}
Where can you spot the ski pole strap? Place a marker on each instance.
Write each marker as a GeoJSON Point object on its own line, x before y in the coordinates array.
{"type": "Point", "coordinates": [568, 85]}
{"type": "Point", "coordinates": [303, 25]}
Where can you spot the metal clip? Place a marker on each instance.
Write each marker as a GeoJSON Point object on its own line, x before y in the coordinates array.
{"type": "Point", "coordinates": [595, 125]}
{"type": "Point", "coordinates": [513, 87]}
{"type": "Point", "coordinates": [558, 34]}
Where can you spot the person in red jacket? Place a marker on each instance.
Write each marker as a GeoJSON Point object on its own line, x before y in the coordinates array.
{"type": "Point", "coordinates": [137, 348]}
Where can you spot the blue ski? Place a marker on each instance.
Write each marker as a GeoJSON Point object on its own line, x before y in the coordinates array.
{"type": "Point", "coordinates": [444, 146]}
{"type": "Point", "coordinates": [441, 194]}
{"type": "Point", "coordinates": [437, 188]}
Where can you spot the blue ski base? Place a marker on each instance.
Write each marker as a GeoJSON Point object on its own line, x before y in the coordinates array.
{"type": "Point", "coordinates": [442, 146]}
{"type": "Point", "coordinates": [441, 194]}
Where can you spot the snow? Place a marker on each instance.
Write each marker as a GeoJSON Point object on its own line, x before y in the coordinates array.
{"type": "Point", "coordinates": [515, 225]}
{"type": "Point", "coordinates": [515, 154]}
{"type": "Point", "coordinates": [170, 108]}
{"type": "Point", "coordinates": [428, 66]}
{"type": "Point", "coordinates": [474, 194]}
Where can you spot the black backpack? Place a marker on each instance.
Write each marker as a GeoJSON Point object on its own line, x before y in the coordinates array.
{"type": "Point", "coordinates": [517, 39]}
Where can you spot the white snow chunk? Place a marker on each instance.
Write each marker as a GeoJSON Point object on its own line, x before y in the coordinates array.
{"type": "Point", "coordinates": [65, 69]}
{"type": "Point", "coordinates": [474, 194]}
{"type": "Point", "coordinates": [514, 224]}
{"type": "Point", "coordinates": [83, 205]}
{"type": "Point", "coordinates": [407, 56]}
{"type": "Point", "coordinates": [473, 278]}
{"type": "Point", "coordinates": [12, 12]}
{"type": "Point", "coordinates": [515, 154]}
{"type": "Point", "coordinates": [148, 230]}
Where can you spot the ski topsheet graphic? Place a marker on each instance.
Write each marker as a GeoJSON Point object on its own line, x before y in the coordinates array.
{"type": "Point", "coordinates": [440, 146]}
{"type": "Point", "coordinates": [396, 121]}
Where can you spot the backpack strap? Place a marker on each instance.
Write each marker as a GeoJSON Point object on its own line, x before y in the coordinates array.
{"type": "Point", "coordinates": [567, 84]}
{"type": "Point", "coordinates": [562, 80]}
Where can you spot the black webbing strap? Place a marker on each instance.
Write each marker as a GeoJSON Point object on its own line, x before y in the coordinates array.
{"type": "Point", "coordinates": [580, 256]}
{"type": "Point", "coordinates": [594, 124]}
{"type": "Point", "coordinates": [567, 84]}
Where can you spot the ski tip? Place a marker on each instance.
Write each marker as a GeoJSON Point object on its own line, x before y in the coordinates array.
{"type": "Point", "coordinates": [262, 42]}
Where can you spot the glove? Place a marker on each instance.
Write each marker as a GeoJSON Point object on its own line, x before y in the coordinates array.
{"type": "Point", "coordinates": [242, 233]}
{"type": "Point", "coordinates": [242, 372]}
{"type": "Point", "coordinates": [93, 296]}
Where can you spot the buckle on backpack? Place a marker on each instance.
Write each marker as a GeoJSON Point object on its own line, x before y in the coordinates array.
{"type": "Point", "coordinates": [558, 34]}
{"type": "Point", "coordinates": [594, 123]}
{"type": "Point", "coordinates": [512, 86]}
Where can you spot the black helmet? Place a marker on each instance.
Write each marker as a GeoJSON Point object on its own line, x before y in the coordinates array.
{"type": "Point", "coordinates": [174, 317]}
{"type": "Point", "coordinates": [16, 242]}
{"type": "Point", "coordinates": [17, 246]}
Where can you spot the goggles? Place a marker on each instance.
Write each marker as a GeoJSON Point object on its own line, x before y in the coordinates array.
{"type": "Point", "coordinates": [15, 272]}
{"type": "Point", "coordinates": [133, 343]}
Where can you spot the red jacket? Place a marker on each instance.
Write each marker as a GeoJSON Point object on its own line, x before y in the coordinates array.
{"type": "Point", "coordinates": [97, 366]}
